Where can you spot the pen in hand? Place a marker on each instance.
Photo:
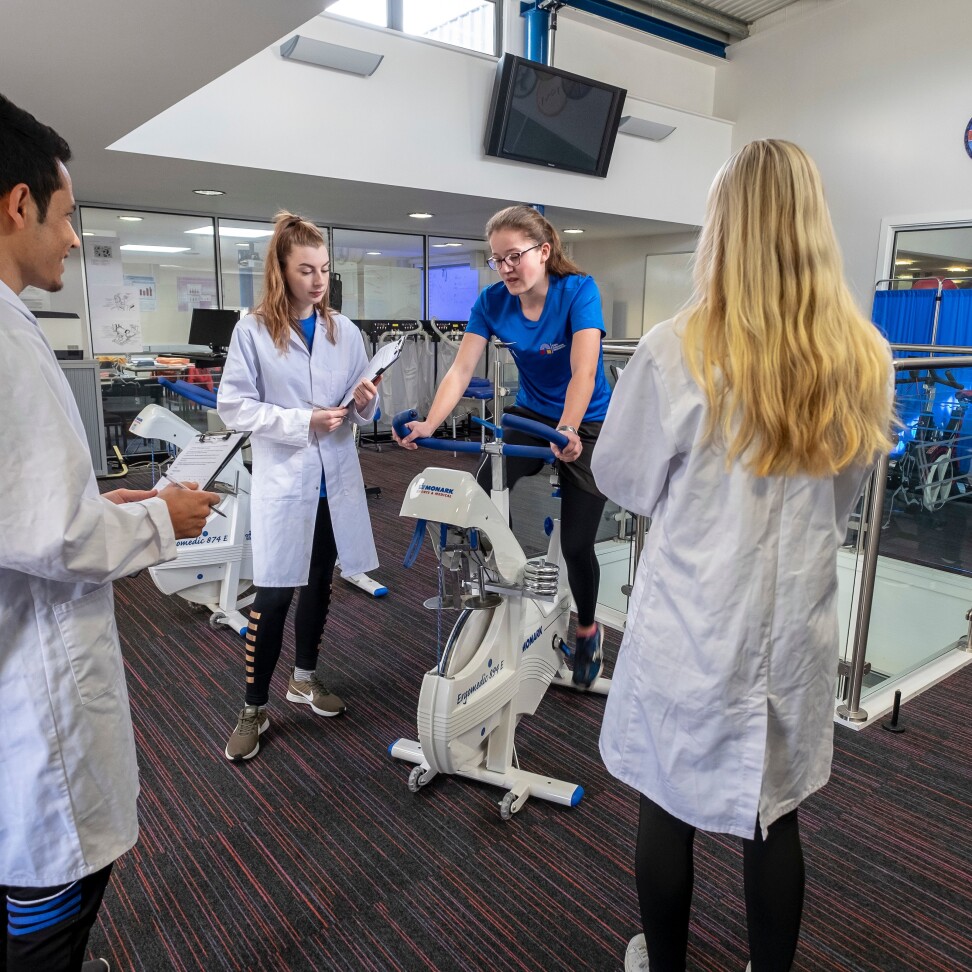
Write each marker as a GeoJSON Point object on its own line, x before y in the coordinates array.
{"type": "Point", "coordinates": [175, 482]}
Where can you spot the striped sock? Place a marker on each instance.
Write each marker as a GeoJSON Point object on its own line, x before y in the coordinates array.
{"type": "Point", "coordinates": [302, 674]}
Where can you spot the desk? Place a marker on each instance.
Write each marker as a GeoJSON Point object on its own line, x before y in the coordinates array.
{"type": "Point", "coordinates": [122, 399]}
{"type": "Point", "coordinates": [157, 369]}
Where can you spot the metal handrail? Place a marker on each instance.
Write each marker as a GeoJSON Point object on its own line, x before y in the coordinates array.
{"type": "Point", "coordinates": [851, 710]}
{"type": "Point", "coordinates": [953, 357]}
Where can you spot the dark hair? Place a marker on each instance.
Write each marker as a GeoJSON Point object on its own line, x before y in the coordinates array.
{"type": "Point", "coordinates": [29, 153]}
{"type": "Point", "coordinates": [527, 220]}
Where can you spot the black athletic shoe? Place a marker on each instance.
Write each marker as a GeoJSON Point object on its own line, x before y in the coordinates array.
{"type": "Point", "coordinates": [587, 658]}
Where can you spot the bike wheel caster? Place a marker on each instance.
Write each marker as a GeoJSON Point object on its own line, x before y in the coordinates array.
{"type": "Point", "coordinates": [415, 781]}
{"type": "Point", "coordinates": [506, 806]}
{"type": "Point", "coordinates": [216, 620]}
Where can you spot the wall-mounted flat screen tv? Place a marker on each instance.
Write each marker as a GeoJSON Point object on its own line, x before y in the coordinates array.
{"type": "Point", "coordinates": [545, 116]}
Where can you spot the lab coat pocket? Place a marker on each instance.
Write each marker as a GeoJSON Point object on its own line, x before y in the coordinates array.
{"type": "Point", "coordinates": [279, 472]}
{"type": "Point", "coordinates": [90, 640]}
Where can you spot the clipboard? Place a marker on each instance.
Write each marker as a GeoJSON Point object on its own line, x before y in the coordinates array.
{"type": "Point", "coordinates": [205, 457]}
{"type": "Point", "coordinates": [384, 358]}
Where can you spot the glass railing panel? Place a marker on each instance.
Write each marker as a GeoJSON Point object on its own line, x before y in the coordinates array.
{"type": "Point", "coordinates": [923, 581]}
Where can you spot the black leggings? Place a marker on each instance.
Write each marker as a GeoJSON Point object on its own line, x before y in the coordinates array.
{"type": "Point", "coordinates": [62, 916]}
{"type": "Point", "coordinates": [773, 879]}
{"type": "Point", "coordinates": [264, 636]}
{"type": "Point", "coordinates": [580, 516]}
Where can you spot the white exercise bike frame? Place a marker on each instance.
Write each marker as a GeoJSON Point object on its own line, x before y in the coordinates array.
{"type": "Point", "coordinates": [508, 644]}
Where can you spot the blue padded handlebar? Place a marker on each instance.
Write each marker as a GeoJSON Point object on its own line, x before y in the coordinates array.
{"type": "Point", "coordinates": [453, 445]}
{"type": "Point", "coordinates": [537, 429]}
{"type": "Point", "coordinates": [442, 445]}
{"type": "Point", "coordinates": [201, 396]}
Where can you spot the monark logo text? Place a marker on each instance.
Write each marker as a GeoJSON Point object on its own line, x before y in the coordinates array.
{"type": "Point", "coordinates": [463, 696]}
{"type": "Point", "coordinates": [431, 490]}
{"type": "Point", "coordinates": [536, 634]}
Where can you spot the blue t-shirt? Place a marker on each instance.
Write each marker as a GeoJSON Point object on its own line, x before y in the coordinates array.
{"type": "Point", "coordinates": [309, 325]}
{"type": "Point", "coordinates": [541, 349]}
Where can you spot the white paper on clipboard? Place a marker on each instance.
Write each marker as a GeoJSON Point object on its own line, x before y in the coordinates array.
{"type": "Point", "coordinates": [202, 460]}
{"type": "Point", "coordinates": [384, 358]}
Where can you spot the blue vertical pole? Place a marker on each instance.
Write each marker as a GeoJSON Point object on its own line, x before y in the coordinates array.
{"type": "Point", "coordinates": [537, 23]}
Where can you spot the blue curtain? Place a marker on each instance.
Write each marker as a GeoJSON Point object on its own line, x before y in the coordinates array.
{"type": "Point", "coordinates": [955, 319]}
{"type": "Point", "coordinates": [905, 316]}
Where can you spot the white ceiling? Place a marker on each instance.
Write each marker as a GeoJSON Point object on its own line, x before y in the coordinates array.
{"type": "Point", "coordinates": [97, 70]}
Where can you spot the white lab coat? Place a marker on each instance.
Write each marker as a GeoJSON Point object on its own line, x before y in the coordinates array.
{"type": "Point", "coordinates": [722, 699]}
{"type": "Point", "coordinates": [68, 776]}
{"type": "Point", "coordinates": [266, 393]}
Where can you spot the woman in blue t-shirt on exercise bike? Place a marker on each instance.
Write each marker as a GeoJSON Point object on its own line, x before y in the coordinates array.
{"type": "Point", "coordinates": [548, 312]}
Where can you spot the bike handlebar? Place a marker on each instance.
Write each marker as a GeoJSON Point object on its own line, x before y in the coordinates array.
{"type": "Point", "coordinates": [537, 429]}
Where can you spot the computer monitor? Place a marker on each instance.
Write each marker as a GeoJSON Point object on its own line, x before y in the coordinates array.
{"type": "Point", "coordinates": [212, 326]}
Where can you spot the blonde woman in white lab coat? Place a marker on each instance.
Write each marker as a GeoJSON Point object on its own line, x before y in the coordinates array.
{"type": "Point", "coordinates": [292, 355]}
{"type": "Point", "coordinates": [755, 415]}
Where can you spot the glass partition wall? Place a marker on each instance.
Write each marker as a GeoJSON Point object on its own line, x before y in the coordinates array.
{"type": "Point", "coordinates": [382, 274]}
{"type": "Point", "coordinates": [242, 250]}
{"type": "Point", "coordinates": [922, 576]}
{"type": "Point", "coordinates": [166, 265]}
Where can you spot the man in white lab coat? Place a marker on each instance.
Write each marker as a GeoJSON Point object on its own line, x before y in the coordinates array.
{"type": "Point", "coordinates": [68, 776]}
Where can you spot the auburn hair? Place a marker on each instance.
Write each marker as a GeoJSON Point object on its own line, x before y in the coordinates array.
{"type": "Point", "coordinates": [796, 378]}
{"type": "Point", "coordinates": [529, 222]}
{"type": "Point", "coordinates": [275, 310]}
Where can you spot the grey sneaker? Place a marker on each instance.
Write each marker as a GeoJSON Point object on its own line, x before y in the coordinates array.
{"type": "Point", "coordinates": [636, 957]}
{"type": "Point", "coordinates": [245, 741]}
{"type": "Point", "coordinates": [316, 694]}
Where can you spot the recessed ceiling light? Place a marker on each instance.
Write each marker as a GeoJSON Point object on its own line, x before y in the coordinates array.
{"type": "Point", "coordinates": [130, 219]}
{"type": "Point", "coordinates": [87, 233]}
{"type": "Point", "coordinates": [956, 269]}
{"type": "Point", "coordinates": [421, 215]}
{"type": "Point", "coordinates": [903, 263]}
{"type": "Point", "coordinates": [170, 266]}
{"type": "Point", "coordinates": [239, 232]}
{"type": "Point", "coordinates": [372, 252]}
{"type": "Point", "coordinates": [138, 248]}
{"type": "Point", "coordinates": [440, 245]}
{"type": "Point", "coordinates": [573, 230]}
{"type": "Point", "coordinates": [209, 192]}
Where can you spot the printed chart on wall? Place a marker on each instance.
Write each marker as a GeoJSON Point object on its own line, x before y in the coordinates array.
{"type": "Point", "coordinates": [196, 292]}
{"type": "Point", "coordinates": [116, 325]}
{"type": "Point", "coordinates": [147, 290]}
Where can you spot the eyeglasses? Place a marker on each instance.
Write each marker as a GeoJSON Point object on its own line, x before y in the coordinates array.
{"type": "Point", "coordinates": [511, 259]}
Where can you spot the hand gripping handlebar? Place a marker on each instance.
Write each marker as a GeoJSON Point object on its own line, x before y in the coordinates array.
{"type": "Point", "coordinates": [536, 429]}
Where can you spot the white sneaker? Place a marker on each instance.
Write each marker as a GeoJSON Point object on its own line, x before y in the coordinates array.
{"type": "Point", "coordinates": [636, 957]}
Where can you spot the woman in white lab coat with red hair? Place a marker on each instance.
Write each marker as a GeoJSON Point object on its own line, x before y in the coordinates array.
{"type": "Point", "coordinates": [290, 363]}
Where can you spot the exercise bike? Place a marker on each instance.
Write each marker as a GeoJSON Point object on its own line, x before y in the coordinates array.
{"type": "Point", "coordinates": [215, 568]}
{"type": "Point", "coordinates": [508, 644]}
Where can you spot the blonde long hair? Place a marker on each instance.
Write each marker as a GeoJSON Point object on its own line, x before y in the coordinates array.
{"type": "Point", "coordinates": [796, 378]}
{"type": "Point", "coordinates": [275, 311]}
{"type": "Point", "coordinates": [529, 222]}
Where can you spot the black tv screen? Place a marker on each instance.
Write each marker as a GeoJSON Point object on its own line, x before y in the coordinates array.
{"type": "Point", "coordinates": [211, 326]}
{"type": "Point", "coordinates": [545, 116]}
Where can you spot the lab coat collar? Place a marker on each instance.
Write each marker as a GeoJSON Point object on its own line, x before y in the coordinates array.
{"type": "Point", "coordinates": [11, 298]}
